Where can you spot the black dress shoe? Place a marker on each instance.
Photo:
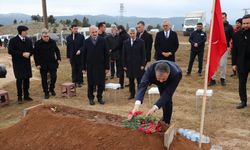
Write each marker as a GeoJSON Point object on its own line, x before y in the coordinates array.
{"type": "Point", "coordinates": [53, 93]}
{"type": "Point", "coordinates": [127, 85]}
{"type": "Point", "coordinates": [46, 96]}
{"type": "Point", "coordinates": [131, 97]}
{"type": "Point", "coordinates": [79, 85]}
{"type": "Point", "coordinates": [101, 101]}
{"type": "Point", "coordinates": [212, 82]}
{"type": "Point", "coordinates": [241, 105]}
{"type": "Point", "coordinates": [223, 82]}
{"type": "Point", "coordinates": [91, 102]}
{"type": "Point", "coordinates": [28, 99]}
{"type": "Point", "coordinates": [19, 100]}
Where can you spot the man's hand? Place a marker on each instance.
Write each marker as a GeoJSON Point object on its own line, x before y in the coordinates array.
{"type": "Point", "coordinates": [234, 68]}
{"type": "Point", "coordinates": [152, 110]}
{"type": "Point", "coordinates": [195, 44]}
{"type": "Point", "coordinates": [38, 67]}
{"type": "Point", "coordinates": [106, 71]}
{"type": "Point", "coordinates": [58, 61]}
{"type": "Point", "coordinates": [142, 67]}
{"type": "Point", "coordinates": [26, 54]}
{"type": "Point", "coordinates": [228, 49]}
{"type": "Point", "coordinates": [125, 68]}
{"type": "Point", "coordinates": [110, 50]}
{"type": "Point", "coordinates": [135, 109]}
{"type": "Point", "coordinates": [78, 52]}
{"type": "Point", "coordinates": [166, 54]}
{"type": "Point", "coordinates": [84, 71]}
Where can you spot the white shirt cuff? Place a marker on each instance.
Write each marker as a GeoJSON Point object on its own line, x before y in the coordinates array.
{"type": "Point", "coordinates": [155, 107]}
{"type": "Point", "coordinates": [137, 102]}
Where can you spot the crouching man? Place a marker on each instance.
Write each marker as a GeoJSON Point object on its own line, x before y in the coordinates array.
{"type": "Point", "coordinates": [166, 75]}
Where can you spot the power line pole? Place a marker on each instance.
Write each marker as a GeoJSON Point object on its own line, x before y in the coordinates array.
{"type": "Point", "coordinates": [246, 10]}
{"type": "Point", "coordinates": [45, 17]}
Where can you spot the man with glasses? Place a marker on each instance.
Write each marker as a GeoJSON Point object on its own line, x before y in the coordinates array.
{"type": "Point", "coordinates": [47, 58]}
{"type": "Point", "coordinates": [166, 43]}
{"type": "Point", "coordinates": [197, 40]}
{"type": "Point", "coordinates": [75, 45]}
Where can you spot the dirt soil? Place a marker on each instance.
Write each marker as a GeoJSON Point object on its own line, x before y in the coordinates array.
{"type": "Point", "coordinates": [70, 128]}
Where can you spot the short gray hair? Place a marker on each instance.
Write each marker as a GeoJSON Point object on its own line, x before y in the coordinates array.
{"type": "Point", "coordinates": [162, 68]}
{"type": "Point", "coordinates": [45, 31]}
{"type": "Point", "coordinates": [132, 30]}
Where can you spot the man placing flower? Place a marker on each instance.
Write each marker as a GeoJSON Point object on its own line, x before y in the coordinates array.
{"type": "Point", "coordinates": [166, 75]}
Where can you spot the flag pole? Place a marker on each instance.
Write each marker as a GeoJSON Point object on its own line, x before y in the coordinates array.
{"type": "Point", "coordinates": [206, 76]}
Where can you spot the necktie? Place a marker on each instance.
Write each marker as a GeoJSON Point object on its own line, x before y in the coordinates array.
{"type": "Point", "coordinates": [23, 40]}
{"type": "Point", "coordinates": [166, 34]}
{"type": "Point", "coordinates": [73, 36]}
{"type": "Point", "coordinates": [140, 35]}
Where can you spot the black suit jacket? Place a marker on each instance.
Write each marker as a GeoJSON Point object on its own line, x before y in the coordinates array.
{"type": "Point", "coordinates": [73, 46]}
{"type": "Point", "coordinates": [163, 44]}
{"type": "Point", "coordinates": [166, 88]}
{"type": "Point", "coordinates": [148, 40]}
{"type": "Point", "coordinates": [47, 54]}
{"type": "Point", "coordinates": [21, 65]}
{"type": "Point", "coordinates": [134, 57]}
{"type": "Point", "coordinates": [241, 44]}
{"type": "Point", "coordinates": [95, 60]}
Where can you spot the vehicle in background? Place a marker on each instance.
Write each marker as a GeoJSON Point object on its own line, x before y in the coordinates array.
{"type": "Point", "coordinates": [190, 21]}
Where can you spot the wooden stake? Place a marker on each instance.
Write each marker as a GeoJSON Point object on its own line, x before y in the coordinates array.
{"type": "Point", "coordinates": [206, 77]}
{"type": "Point", "coordinates": [45, 16]}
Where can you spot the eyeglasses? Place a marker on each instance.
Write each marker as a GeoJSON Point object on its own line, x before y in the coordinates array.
{"type": "Point", "coordinates": [165, 25]}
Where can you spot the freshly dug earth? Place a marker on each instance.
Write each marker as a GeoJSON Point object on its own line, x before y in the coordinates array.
{"type": "Point", "coordinates": [59, 127]}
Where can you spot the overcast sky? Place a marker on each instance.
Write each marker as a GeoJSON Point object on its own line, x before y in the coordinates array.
{"type": "Point", "coordinates": [140, 8]}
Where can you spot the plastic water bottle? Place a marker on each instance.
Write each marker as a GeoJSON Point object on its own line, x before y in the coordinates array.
{"type": "Point", "coordinates": [193, 135]}
{"type": "Point", "coordinates": [216, 147]}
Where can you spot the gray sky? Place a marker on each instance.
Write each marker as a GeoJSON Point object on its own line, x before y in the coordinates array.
{"type": "Point", "coordinates": [140, 8]}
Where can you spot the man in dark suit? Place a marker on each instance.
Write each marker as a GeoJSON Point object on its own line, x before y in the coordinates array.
{"type": "Point", "coordinates": [146, 37]}
{"type": "Point", "coordinates": [241, 58]}
{"type": "Point", "coordinates": [47, 58]}
{"type": "Point", "coordinates": [197, 40]}
{"type": "Point", "coordinates": [166, 75]}
{"type": "Point", "coordinates": [102, 29]}
{"type": "Point", "coordinates": [96, 63]}
{"type": "Point", "coordinates": [166, 43]}
{"type": "Point", "coordinates": [112, 43]}
{"type": "Point", "coordinates": [123, 35]}
{"type": "Point", "coordinates": [20, 48]}
{"type": "Point", "coordinates": [134, 59]}
{"type": "Point", "coordinates": [75, 45]}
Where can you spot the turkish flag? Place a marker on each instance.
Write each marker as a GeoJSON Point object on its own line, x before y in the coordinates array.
{"type": "Point", "coordinates": [218, 40]}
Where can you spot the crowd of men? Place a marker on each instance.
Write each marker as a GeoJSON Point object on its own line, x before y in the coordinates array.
{"type": "Point", "coordinates": [127, 54]}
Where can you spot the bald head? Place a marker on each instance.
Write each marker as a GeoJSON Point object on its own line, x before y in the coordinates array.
{"type": "Point", "coordinates": [166, 25]}
{"type": "Point", "coordinates": [93, 30]}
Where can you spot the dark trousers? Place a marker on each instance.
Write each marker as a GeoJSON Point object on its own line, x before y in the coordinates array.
{"type": "Point", "coordinates": [120, 72]}
{"type": "Point", "coordinates": [113, 67]}
{"type": "Point", "coordinates": [193, 54]}
{"type": "Point", "coordinates": [100, 89]}
{"type": "Point", "coordinates": [77, 75]}
{"type": "Point", "coordinates": [242, 87]}
{"type": "Point", "coordinates": [167, 108]}
{"type": "Point", "coordinates": [132, 85]}
{"type": "Point", "coordinates": [44, 76]}
{"type": "Point", "coordinates": [23, 86]}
